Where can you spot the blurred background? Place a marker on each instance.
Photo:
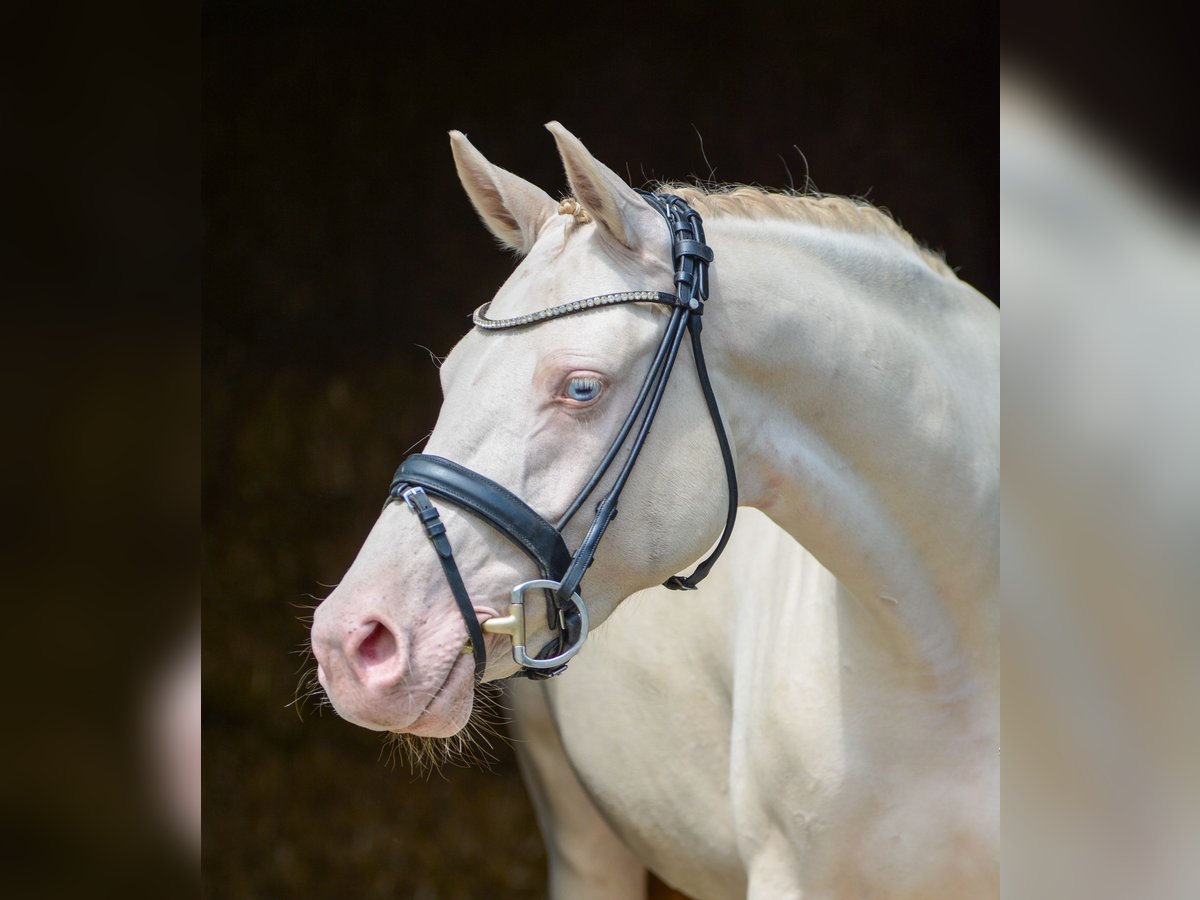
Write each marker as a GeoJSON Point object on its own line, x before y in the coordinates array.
{"type": "Point", "coordinates": [1101, 415]}
{"type": "Point", "coordinates": [340, 255]}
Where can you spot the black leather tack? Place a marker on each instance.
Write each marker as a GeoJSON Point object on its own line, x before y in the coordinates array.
{"type": "Point", "coordinates": [492, 502]}
{"type": "Point", "coordinates": [695, 248]}
{"type": "Point", "coordinates": [428, 515]}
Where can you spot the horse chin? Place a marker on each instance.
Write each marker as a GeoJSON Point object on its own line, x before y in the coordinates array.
{"type": "Point", "coordinates": [450, 709]}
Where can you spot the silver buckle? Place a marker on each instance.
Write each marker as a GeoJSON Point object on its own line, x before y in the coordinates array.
{"type": "Point", "coordinates": [415, 498]}
{"type": "Point", "coordinates": [514, 626]}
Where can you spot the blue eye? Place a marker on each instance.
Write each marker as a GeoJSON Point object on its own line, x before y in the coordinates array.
{"type": "Point", "coordinates": [582, 389]}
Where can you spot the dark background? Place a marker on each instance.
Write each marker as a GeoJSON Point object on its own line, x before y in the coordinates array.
{"type": "Point", "coordinates": [338, 245]}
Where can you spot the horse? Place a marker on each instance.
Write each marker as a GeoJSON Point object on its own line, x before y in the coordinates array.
{"type": "Point", "coordinates": [847, 388]}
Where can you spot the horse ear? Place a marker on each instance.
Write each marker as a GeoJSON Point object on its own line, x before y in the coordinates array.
{"type": "Point", "coordinates": [613, 204]}
{"type": "Point", "coordinates": [512, 208]}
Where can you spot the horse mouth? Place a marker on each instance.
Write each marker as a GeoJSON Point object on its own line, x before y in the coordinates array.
{"type": "Point", "coordinates": [450, 706]}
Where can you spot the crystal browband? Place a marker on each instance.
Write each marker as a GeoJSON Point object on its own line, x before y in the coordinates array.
{"type": "Point", "coordinates": [479, 317]}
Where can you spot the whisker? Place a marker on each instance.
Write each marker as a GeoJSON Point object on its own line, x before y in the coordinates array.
{"type": "Point", "coordinates": [434, 358]}
{"type": "Point", "coordinates": [424, 437]}
{"type": "Point", "coordinates": [474, 746]}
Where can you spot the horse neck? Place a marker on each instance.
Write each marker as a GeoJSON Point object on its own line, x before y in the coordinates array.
{"type": "Point", "coordinates": [862, 393]}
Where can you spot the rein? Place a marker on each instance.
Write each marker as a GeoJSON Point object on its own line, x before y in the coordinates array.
{"type": "Point", "coordinates": [422, 475]}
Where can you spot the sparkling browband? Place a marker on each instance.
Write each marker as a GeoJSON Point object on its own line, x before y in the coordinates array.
{"type": "Point", "coordinates": [479, 317]}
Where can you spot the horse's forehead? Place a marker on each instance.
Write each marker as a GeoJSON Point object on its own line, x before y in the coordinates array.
{"type": "Point", "coordinates": [568, 262]}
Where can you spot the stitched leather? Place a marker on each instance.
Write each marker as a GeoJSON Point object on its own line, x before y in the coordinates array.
{"type": "Point", "coordinates": [494, 503]}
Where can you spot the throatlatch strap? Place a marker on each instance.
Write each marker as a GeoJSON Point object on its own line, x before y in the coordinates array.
{"type": "Point", "coordinates": [689, 582]}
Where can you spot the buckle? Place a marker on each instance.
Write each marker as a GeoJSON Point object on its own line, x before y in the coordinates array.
{"type": "Point", "coordinates": [678, 583]}
{"type": "Point", "coordinates": [416, 498]}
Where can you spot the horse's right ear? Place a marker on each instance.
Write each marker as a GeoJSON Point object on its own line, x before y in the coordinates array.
{"type": "Point", "coordinates": [512, 209]}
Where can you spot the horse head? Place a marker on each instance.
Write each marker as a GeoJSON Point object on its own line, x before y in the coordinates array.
{"type": "Point", "coordinates": [532, 413]}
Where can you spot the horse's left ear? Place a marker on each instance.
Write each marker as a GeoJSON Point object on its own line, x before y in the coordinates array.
{"type": "Point", "coordinates": [612, 204]}
{"type": "Point", "coordinates": [512, 209]}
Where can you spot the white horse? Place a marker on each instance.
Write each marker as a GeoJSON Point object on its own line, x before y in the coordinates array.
{"type": "Point", "coordinates": [858, 378]}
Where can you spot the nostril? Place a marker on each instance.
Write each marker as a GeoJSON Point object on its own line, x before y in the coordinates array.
{"type": "Point", "coordinates": [377, 647]}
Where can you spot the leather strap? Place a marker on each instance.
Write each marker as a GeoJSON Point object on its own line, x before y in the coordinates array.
{"type": "Point", "coordinates": [606, 511]}
{"type": "Point", "coordinates": [689, 583]}
{"type": "Point", "coordinates": [436, 532]}
{"type": "Point", "coordinates": [692, 256]}
{"type": "Point", "coordinates": [492, 502]}
{"type": "Point", "coordinates": [614, 448]}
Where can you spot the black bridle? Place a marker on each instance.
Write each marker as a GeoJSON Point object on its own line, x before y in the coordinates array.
{"type": "Point", "coordinates": [422, 475]}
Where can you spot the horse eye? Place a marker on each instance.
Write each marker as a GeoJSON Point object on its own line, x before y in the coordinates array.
{"type": "Point", "coordinates": [582, 389]}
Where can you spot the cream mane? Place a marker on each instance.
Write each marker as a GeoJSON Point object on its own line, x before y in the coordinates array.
{"type": "Point", "coordinates": [824, 210]}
